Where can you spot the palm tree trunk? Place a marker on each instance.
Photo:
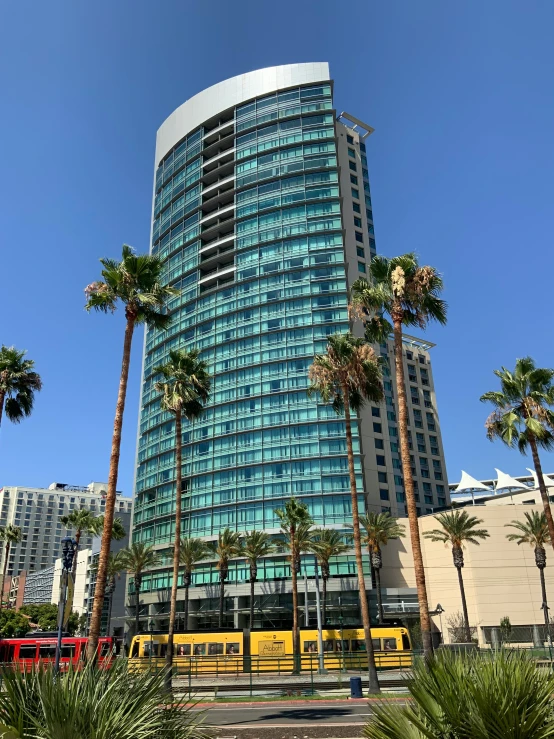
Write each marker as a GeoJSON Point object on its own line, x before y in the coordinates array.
{"type": "Point", "coordinates": [545, 605]}
{"type": "Point", "coordinates": [2, 399]}
{"type": "Point", "coordinates": [110, 602]}
{"type": "Point", "coordinates": [410, 493]}
{"type": "Point", "coordinates": [371, 666]}
{"type": "Point", "coordinates": [542, 488]}
{"type": "Point", "coordinates": [324, 599]}
{"type": "Point", "coordinates": [138, 579]}
{"type": "Point", "coordinates": [76, 553]}
{"type": "Point", "coordinates": [186, 604]}
{"type": "Point", "coordinates": [294, 582]}
{"type": "Point", "coordinates": [176, 549]}
{"type": "Point", "coordinates": [252, 583]}
{"type": "Point", "coordinates": [221, 599]}
{"type": "Point", "coordinates": [111, 494]}
{"type": "Point", "coordinates": [7, 553]}
{"type": "Point", "coordinates": [379, 595]}
{"type": "Point", "coordinates": [464, 604]}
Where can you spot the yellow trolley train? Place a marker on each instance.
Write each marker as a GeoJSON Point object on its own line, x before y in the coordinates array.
{"type": "Point", "coordinates": [267, 650]}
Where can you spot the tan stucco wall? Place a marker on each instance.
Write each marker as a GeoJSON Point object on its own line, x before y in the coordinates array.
{"type": "Point", "coordinates": [500, 577]}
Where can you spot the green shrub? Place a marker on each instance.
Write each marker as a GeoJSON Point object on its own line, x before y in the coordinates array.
{"type": "Point", "coordinates": [92, 704]}
{"type": "Point", "coordinates": [501, 696]}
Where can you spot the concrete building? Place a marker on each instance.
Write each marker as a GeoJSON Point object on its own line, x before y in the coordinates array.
{"type": "Point", "coordinates": [263, 216]}
{"type": "Point", "coordinates": [38, 586]}
{"type": "Point", "coordinates": [37, 511]}
{"type": "Point", "coordinates": [501, 578]}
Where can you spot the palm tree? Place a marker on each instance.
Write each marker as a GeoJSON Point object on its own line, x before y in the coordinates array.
{"type": "Point", "coordinates": [326, 544]}
{"type": "Point", "coordinates": [296, 525]}
{"type": "Point", "coordinates": [18, 384]}
{"type": "Point", "coordinates": [347, 376]}
{"type": "Point", "coordinates": [191, 552]}
{"type": "Point", "coordinates": [226, 548]}
{"type": "Point", "coordinates": [135, 282]}
{"type": "Point", "coordinates": [9, 534]}
{"type": "Point", "coordinates": [410, 296]}
{"type": "Point", "coordinates": [380, 528]}
{"type": "Point", "coordinates": [115, 568]}
{"type": "Point", "coordinates": [135, 559]}
{"type": "Point", "coordinates": [522, 417]}
{"type": "Point", "coordinates": [185, 388]}
{"type": "Point", "coordinates": [254, 546]}
{"type": "Point", "coordinates": [458, 527]}
{"type": "Point", "coordinates": [80, 519]}
{"type": "Point", "coordinates": [535, 532]}
{"type": "Point", "coordinates": [97, 527]}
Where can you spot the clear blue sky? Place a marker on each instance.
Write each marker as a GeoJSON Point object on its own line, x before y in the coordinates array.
{"type": "Point", "coordinates": [461, 167]}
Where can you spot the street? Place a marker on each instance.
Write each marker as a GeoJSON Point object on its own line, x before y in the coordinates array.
{"type": "Point", "coordinates": [320, 719]}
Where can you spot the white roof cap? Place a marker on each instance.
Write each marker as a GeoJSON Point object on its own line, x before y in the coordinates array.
{"type": "Point", "coordinates": [506, 481]}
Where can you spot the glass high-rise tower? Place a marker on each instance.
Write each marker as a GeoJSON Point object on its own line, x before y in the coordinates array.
{"type": "Point", "coordinates": [262, 214]}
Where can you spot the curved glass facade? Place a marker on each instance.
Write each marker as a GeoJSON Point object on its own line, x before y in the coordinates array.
{"type": "Point", "coordinates": [260, 222]}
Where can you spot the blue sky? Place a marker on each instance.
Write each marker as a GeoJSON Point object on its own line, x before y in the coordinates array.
{"type": "Point", "coordinates": [461, 162]}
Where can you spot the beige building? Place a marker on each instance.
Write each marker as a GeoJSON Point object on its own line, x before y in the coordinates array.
{"type": "Point", "coordinates": [501, 578]}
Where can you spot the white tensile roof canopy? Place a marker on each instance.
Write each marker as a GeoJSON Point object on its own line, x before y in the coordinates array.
{"type": "Point", "coordinates": [505, 481]}
{"type": "Point", "coordinates": [468, 483]}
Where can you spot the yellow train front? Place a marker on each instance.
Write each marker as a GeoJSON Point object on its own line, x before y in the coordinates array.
{"type": "Point", "coordinates": [271, 651]}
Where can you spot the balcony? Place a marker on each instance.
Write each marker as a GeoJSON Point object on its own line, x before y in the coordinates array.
{"type": "Point", "coordinates": [219, 158]}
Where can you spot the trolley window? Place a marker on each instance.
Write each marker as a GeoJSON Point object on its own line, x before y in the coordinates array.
{"type": "Point", "coordinates": [214, 649]}
{"type": "Point", "coordinates": [406, 642]}
{"type": "Point", "coordinates": [27, 651]}
{"type": "Point", "coordinates": [328, 645]}
{"type": "Point", "coordinates": [150, 649]}
{"type": "Point", "coordinates": [182, 650]}
{"type": "Point", "coordinates": [310, 646]}
{"type": "Point", "coordinates": [135, 648]}
{"type": "Point", "coordinates": [232, 648]}
{"type": "Point", "coordinates": [358, 645]}
{"type": "Point", "coordinates": [389, 644]}
{"type": "Point", "coordinates": [47, 651]}
{"type": "Point", "coordinates": [376, 645]}
{"type": "Point", "coordinates": [68, 651]}
{"type": "Point", "coordinates": [11, 653]}
{"type": "Point", "coordinates": [341, 646]}
{"type": "Point", "coordinates": [199, 650]}
{"type": "Point", "coordinates": [105, 649]}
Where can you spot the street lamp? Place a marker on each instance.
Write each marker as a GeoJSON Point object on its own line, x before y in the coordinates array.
{"type": "Point", "coordinates": [321, 661]}
{"type": "Point", "coordinates": [69, 547]}
{"type": "Point", "coordinates": [439, 610]}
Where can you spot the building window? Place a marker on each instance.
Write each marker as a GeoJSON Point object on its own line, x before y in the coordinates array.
{"type": "Point", "coordinates": [355, 193]}
{"type": "Point", "coordinates": [359, 237]}
{"type": "Point", "coordinates": [361, 267]}
{"type": "Point", "coordinates": [377, 428]}
{"type": "Point", "coordinates": [421, 358]}
{"type": "Point", "coordinates": [380, 460]}
{"type": "Point", "coordinates": [384, 494]}
{"type": "Point", "coordinates": [357, 222]}
{"type": "Point", "coordinates": [382, 476]}
{"type": "Point", "coordinates": [352, 166]}
{"type": "Point", "coordinates": [376, 412]}
{"type": "Point", "coordinates": [353, 179]}
{"type": "Point", "coordinates": [356, 208]}
{"type": "Point", "coordinates": [350, 139]}
{"type": "Point", "coordinates": [351, 153]}
{"type": "Point", "coordinates": [360, 252]}
{"type": "Point", "coordinates": [379, 444]}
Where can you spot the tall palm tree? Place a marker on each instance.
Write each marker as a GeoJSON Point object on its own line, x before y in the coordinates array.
{"type": "Point", "coordinates": [522, 417]}
{"type": "Point", "coordinates": [255, 546]}
{"type": "Point", "coordinates": [135, 282]}
{"type": "Point", "coordinates": [380, 528]}
{"type": "Point", "coordinates": [185, 387]}
{"type": "Point", "coordinates": [410, 296]}
{"type": "Point", "coordinates": [136, 559]}
{"type": "Point", "coordinates": [534, 531]}
{"type": "Point", "coordinates": [115, 568]}
{"type": "Point", "coordinates": [226, 547]}
{"type": "Point", "coordinates": [296, 526]}
{"type": "Point", "coordinates": [346, 376]}
{"type": "Point", "coordinates": [9, 534]}
{"type": "Point", "coordinates": [191, 552]}
{"type": "Point", "coordinates": [18, 384]}
{"type": "Point", "coordinates": [326, 544]}
{"type": "Point", "coordinates": [458, 527]}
